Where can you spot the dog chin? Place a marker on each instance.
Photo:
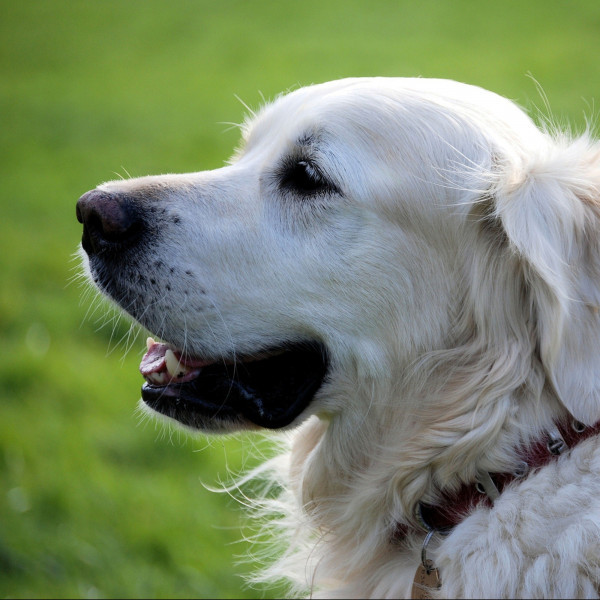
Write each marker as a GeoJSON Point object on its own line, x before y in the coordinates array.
{"type": "Point", "coordinates": [195, 423]}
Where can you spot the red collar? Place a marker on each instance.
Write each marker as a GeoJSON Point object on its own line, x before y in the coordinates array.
{"type": "Point", "coordinates": [453, 508]}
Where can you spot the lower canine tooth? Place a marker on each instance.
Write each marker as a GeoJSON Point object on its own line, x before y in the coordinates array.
{"type": "Point", "coordinates": [150, 342]}
{"type": "Point", "coordinates": [158, 378]}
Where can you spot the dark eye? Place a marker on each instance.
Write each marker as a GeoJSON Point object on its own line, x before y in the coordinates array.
{"type": "Point", "coordinates": [304, 178]}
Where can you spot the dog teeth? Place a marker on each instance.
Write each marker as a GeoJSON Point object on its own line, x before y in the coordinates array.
{"type": "Point", "coordinates": [171, 362]}
{"type": "Point", "coordinates": [150, 342]}
{"type": "Point", "coordinates": [158, 378]}
{"type": "Point", "coordinates": [174, 366]}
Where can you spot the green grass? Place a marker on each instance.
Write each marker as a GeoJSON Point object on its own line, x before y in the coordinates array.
{"type": "Point", "coordinates": [93, 503]}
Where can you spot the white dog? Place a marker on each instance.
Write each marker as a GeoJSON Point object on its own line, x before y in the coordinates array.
{"type": "Point", "coordinates": [405, 275]}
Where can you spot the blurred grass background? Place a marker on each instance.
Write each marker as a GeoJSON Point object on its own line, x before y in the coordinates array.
{"type": "Point", "coordinates": [94, 503]}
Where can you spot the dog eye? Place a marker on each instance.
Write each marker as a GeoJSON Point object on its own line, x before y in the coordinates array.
{"type": "Point", "coordinates": [303, 177]}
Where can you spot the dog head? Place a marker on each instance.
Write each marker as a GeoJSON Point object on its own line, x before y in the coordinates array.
{"type": "Point", "coordinates": [363, 226]}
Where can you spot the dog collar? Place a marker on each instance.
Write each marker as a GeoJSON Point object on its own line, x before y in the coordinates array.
{"type": "Point", "coordinates": [453, 508]}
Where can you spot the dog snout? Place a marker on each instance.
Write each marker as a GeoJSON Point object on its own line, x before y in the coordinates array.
{"type": "Point", "coordinates": [110, 221]}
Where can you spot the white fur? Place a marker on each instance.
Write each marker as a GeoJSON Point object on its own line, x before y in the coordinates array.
{"type": "Point", "coordinates": [455, 282]}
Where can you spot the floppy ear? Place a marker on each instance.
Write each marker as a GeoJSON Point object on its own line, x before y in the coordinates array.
{"type": "Point", "coordinates": [551, 217]}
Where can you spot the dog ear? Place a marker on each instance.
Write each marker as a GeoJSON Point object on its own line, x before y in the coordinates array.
{"type": "Point", "coordinates": [551, 217]}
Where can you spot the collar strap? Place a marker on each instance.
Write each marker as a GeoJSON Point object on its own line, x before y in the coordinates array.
{"type": "Point", "coordinates": [453, 508]}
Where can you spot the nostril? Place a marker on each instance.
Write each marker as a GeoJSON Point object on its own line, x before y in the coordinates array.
{"type": "Point", "coordinates": [108, 220]}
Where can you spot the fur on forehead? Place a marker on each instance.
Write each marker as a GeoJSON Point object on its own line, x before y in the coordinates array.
{"type": "Point", "coordinates": [443, 106]}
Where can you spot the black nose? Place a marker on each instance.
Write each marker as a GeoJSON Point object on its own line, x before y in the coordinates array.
{"type": "Point", "coordinates": [110, 221]}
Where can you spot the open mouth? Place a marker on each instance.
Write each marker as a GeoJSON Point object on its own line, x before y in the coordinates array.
{"type": "Point", "coordinates": [269, 389]}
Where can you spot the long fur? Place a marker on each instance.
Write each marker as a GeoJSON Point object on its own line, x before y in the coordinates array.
{"type": "Point", "coordinates": [456, 286]}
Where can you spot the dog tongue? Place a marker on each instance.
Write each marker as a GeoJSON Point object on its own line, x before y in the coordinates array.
{"type": "Point", "coordinates": [162, 358]}
{"type": "Point", "coordinates": [154, 360]}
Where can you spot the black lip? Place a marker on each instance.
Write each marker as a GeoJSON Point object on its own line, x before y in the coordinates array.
{"type": "Point", "coordinates": [270, 393]}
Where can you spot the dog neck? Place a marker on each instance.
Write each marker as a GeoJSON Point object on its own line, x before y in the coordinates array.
{"type": "Point", "coordinates": [453, 508]}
